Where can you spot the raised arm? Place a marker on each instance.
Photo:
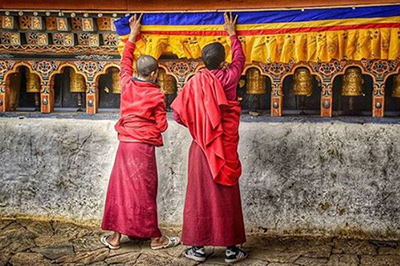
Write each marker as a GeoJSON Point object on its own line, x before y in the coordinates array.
{"type": "Point", "coordinates": [127, 56]}
{"type": "Point", "coordinates": [235, 70]}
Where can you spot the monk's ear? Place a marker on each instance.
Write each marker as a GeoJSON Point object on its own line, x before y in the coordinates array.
{"type": "Point", "coordinates": [154, 74]}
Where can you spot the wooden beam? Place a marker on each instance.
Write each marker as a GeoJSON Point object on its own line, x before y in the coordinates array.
{"type": "Point", "coordinates": [176, 5]}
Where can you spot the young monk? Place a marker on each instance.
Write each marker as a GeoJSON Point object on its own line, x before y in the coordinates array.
{"type": "Point", "coordinates": [131, 206]}
{"type": "Point", "coordinates": [207, 106]}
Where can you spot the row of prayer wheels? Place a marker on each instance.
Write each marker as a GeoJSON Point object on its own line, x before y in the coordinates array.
{"type": "Point", "coordinates": [77, 82]}
{"type": "Point", "coordinates": [78, 85]}
{"type": "Point", "coordinates": [256, 83]}
{"type": "Point", "coordinates": [303, 83]}
{"type": "Point", "coordinates": [352, 85]}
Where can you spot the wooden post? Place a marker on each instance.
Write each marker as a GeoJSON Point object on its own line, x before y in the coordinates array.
{"type": "Point", "coordinates": [92, 98]}
{"type": "Point", "coordinates": [3, 99]}
{"type": "Point", "coordinates": [276, 99]}
{"type": "Point", "coordinates": [326, 100]}
{"type": "Point", "coordinates": [46, 97]}
{"type": "Point", "coordinates": [378, 100]}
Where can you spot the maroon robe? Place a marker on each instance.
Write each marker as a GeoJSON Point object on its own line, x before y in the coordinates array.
{"type": "Point", "coordinates": [213, 212]}
{"type": "Point", "coordinates": [131, 206]}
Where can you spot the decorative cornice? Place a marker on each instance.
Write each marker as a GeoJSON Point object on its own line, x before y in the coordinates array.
{"type": "Point", "coordinates": [94, 57]}
{"type": "Point", "coordinates": [56, 49]}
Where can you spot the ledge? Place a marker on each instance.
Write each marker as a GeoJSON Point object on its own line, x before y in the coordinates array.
{"type": "Point", "coordinates": [300, 175]}
{"type": "Point", "coordinates": [245, 117]}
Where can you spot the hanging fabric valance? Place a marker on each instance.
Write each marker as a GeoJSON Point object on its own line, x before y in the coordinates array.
{"type": "Point", "coordinates": [275, 36]}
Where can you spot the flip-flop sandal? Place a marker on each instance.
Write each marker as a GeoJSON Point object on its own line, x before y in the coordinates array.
{"type": "Point", "coordinates": [103, 240]}
{"type": "Point", "coordinates": [172, 242]}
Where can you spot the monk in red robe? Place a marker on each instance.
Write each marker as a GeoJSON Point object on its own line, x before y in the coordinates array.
{"type": "Point", "coordinates": [208, 107]}
{"type": "Point", "coordinates": [131, 206]}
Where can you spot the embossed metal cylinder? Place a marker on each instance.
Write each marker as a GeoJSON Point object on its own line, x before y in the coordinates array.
{"type": "Point", "coordinates": [303, 85]}
{"type": "Point", "coordinates": [167, 82]}
{"type": "Point", "coordinates": [352, 82]}
{"type": "Point", "coordinates": [256, 83]}
{"type": "Point", "coordinates": [396, 86]}
{"type": "Point", "coordinates": [32, 83]}
{"type": "Point", "coordinates": [116, 88]}
{"type": "Point", "coordinates": [77, 82]}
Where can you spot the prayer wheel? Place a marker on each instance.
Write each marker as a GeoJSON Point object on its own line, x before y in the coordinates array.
{"type": "Point", "coordinates": [242, 82]}
{"type": "Point", "coordinates": [32, 83]}
{"type": "Point", "coordinates": [352, 82]}
{"type": "Point", "coordinates": [256, 86]}
{"type": "Point", "coordinates": [77, 85]}
{"type": "Point", "coordinates": [15, 84]}
{"type": "Point", "coordinates": [167, 82]}
{"type": "Point", "coordinates": [396, 86]}
{"type": "Point", "coordinates": [256, 83]}
{"type": "Point", "coordinates": [77, 82]}
{"type": "Point", "coordinates": [241, 88]}
{"type": "Point", "coordinates": [116, 88]}
{"type": "Point", "coordinates": [303, 85]}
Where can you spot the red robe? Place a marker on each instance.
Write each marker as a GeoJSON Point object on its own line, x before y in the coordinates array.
{"type": "Point", "coordinates": [213, 122]}
{"type": "Point", "coordinates": [143, 116]}
{"type": "Point", "coordinates": [131, 204]}
{"type": "Point", "coordinates": [213, 213]}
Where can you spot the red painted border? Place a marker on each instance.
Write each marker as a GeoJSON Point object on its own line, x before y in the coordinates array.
{"type": "Point", "coordinates": [278, 31]}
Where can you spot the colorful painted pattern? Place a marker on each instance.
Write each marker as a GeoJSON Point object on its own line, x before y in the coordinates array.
{"type": "Point", "coordinates": [276, 36]}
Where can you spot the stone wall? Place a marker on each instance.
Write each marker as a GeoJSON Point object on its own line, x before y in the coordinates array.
{"type": "Point", "coordinates": [314, 176]}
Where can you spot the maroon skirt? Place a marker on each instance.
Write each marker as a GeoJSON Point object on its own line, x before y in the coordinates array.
{"type": "Point", "coordinates": [131, 203]}
{"type": "Point", "coordinates": [213, 212]}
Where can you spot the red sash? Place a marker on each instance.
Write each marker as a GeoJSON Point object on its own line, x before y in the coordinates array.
{"type": "Point", "coordinates": [213, 122]}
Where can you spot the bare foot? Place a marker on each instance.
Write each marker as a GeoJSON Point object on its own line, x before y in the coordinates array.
{"type": "Point", "coordinates": [114, 239]}
{"type": "Point", "coordinates": [159, 241]}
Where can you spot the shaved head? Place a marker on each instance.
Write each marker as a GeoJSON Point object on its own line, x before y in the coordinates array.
{"type": "Point", "coordinates": [145, 65]}
{"type": "Point", "coordinates": [213, 55]}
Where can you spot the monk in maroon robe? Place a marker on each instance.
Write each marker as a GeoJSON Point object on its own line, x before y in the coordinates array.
{"type": "Point", "coordinates": [131, 206]}
{"type": "Point", "coordinates": [208, 107]}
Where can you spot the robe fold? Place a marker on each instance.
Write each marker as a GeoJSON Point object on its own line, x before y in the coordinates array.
{"type": "Point", "coordinates": [213, 122]}
{"type": "Point", "coordinates": [206, 106]}
{"type": "Point", "coordinates": [131, 203]}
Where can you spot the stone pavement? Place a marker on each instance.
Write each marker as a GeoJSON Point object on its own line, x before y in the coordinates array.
{"type": "Point", "coordinates": [27, 242]}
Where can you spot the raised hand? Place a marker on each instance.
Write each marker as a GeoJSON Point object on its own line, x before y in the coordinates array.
{"type": "Point", "coordinates": [134, 24]}
{"type": "Point", "coordinates": [230, 23]}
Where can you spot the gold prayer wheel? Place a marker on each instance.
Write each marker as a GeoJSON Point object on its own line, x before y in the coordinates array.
{"type": "Point", "coordinates": [167, 82]}
{"type": "Point", "coordinates": [15, 84]}
{"type": "Point", "coordinates": [32, 83]}
{"type": "Point", "coordinates": [256, 83]}
{"type": "Point", "coordinates": [396, 86]}
{"type": "Point", "coordinates": [116, 88]}
{"type": "Point", "coordinates": [77, 82]}
{"type": "Point", "coordinates": [352, 82]}
{"type": "Point", "coordinates": [303, 85]}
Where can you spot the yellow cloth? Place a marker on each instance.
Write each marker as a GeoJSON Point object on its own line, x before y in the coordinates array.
{"type": "Point", "coordinates": [351, 44]}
